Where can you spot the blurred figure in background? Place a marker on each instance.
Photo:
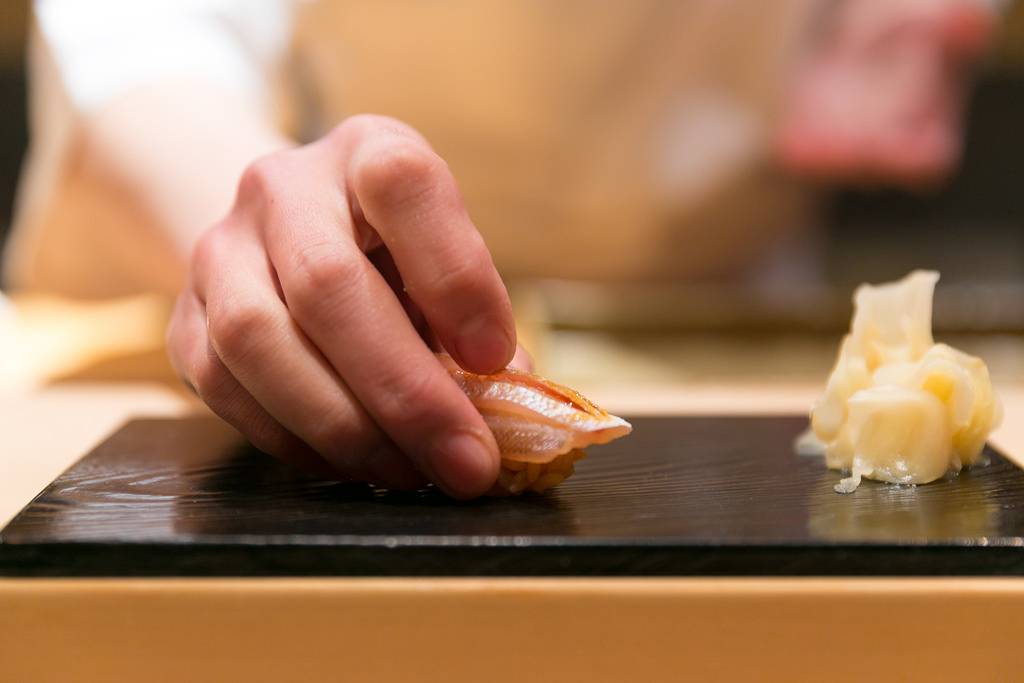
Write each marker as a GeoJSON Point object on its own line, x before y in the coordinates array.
{"type": "Point", "coordinates": [646, 138]}
{"type": "Point", "coordinates": [596, 141]}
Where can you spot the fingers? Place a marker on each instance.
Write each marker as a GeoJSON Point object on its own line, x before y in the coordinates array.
{"type": "Point", "coordinates": [407, 193]}
{"type": "Point", "coordinates": [330, 348]}
{"type": "Point", "coordinates": [198, 364]}
{"type": "Point", "coordinates": [253, 335]}
{"type": "Point", "coordinates": [347, 310]}
{"type": "Point", "coordinates": [385, 265]}
{"type": "Point", "coordinates": [522, 360]}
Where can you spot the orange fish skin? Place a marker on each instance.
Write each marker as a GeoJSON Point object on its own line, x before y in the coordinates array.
{"type": "Point", "coordinates": [535, 420]}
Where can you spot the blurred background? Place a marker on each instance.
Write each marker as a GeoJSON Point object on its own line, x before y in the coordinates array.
{"type": "Point", "coordinates": [13, 120]}
{"type": "Point", "coordinates": [971, 228]}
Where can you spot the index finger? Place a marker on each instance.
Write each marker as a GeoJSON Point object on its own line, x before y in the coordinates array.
{"type": "Point", "coordinates": [343, 304]}
{"type": "Point", "coordinates": [408, 195]}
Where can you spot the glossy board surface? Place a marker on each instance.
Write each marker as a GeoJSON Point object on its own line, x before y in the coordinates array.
{"type": "Point", "coordinates": [681, 496]}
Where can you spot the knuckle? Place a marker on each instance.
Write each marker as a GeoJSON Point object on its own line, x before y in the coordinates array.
{"type": "Point", "coordinates": [355, 126]}
{"type": "Point", "coordinates": [176, 342]}
{"type": "Point", "coordinates": [258, 426]}
{"type": "Point", "coordinates": [465, 274]}
{"type": "Point", "coordinates": [329, 436]}
{"type": "Point", "coordinates": [208, 250]}
{"type": "Point", "coordinates": [235, 326]}
{"type": "Point", "coordinates": [266, 434]}
{"type": "Point", "coordinates": [340, 441]}
{"type": "Point", "coordinates": [407, 399]}
{"type": "Point", "coordinates": [399, 173]}
{"type": "Point", "coordinates": [322, 270]}
{"type": "Point", "coordinates": [263, 178]}
{"type": "Point", "coordinates": [211, 380]}
{"type": "Point", "coordinates": [359, 126]}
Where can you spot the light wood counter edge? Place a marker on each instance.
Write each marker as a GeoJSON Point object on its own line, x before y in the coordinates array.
{"type": "Point", "coordinates": [511, 629]}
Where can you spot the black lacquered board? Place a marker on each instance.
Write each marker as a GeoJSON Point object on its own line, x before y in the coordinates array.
{"type": "Point", "coordinates": [681, 496]}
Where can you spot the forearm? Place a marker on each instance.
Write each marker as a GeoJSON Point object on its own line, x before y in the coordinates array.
{"type": "Point", "coordinates": [172, 154]}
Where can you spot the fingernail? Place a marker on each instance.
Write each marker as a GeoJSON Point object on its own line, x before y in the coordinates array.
{"type": "Point", "coordinates": [484, 345]}
{"type": "Point", "coordinates": [465, 465]}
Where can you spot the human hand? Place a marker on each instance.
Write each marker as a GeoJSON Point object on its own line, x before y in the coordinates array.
{"type": "Point", "coordinates": [881, 97]}
{"type": "Point", "coordinates": [311, 309]}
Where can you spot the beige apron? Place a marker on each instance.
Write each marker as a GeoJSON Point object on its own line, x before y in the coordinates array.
{"type": "Point", "coordinates": [592, 139]}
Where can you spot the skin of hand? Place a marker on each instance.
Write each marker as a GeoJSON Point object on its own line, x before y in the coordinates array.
{"type": "Point", "coordinates": [880, 97]}
{"type": "Point", "coordinates": [312, 308]}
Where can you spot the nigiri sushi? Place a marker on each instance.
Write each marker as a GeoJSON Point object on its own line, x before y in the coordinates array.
{"type": "Point", "coordinates": [541, 427]}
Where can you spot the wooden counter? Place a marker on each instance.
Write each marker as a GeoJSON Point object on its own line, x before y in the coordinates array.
{"type": "Point", "coordinates": [471, 629]}
{"type": "Point", "coordinates": [493, 629]}
{"type": "Point", "coordinates": [511, 630]}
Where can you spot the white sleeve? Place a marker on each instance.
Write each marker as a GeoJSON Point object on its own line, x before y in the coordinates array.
{"type": "Point", "coordinates": [84, 53]}
{"type": "Point", "coordinates": [102, 48]}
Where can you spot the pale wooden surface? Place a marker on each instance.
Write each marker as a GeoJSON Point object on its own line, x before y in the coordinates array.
{"type": "Point", "coordinates": [46, 430]}
{"type": "Point", "coordinates": [495, 630]}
